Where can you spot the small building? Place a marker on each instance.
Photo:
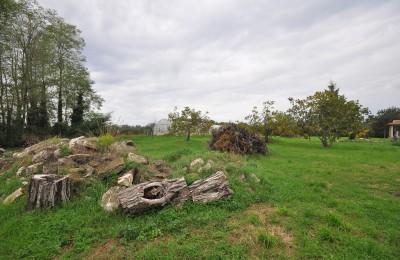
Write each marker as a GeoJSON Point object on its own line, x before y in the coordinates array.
{"type": "Point", "coordinates": [394, 129]}
{"type": "Point", "coordinates": [161, 127]}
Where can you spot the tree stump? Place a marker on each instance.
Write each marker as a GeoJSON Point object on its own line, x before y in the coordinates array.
{"type": "Point", "coordinates": [142, 197]}
{"type": "Point", "coordinates": [47, 190]}
{"type": "Point", "coordinates": [213, 188]}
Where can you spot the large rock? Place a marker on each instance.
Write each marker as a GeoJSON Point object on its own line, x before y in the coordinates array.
{"type": "Point", "coordinates": [126, 179]}
{"type": "Point", "coordinates": [34, 169]}
{"type": "Point", "coordinates": [122, 147]}
{"type": "Point", "coordinates": [80, 158]}
{"type": "Point", "coordinates": [80, 144]}
{"type": "Point", "coordinates": [12, 197]}
{"type": "Point", "coordinates": [113, 167]}
{"type": "Point", "coordinates": [110, 201]}
{"type": "Point", "coordinates": [42, 156]}
{"type": "Point", "coordinates": [137, 158]}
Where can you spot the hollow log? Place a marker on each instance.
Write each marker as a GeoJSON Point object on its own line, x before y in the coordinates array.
{"type": "Point", "coordinates": [213, 188]}
{"type": "Point", "coordinates": [47, 190]}
{"type": "Point", "coordinates": [142, 197]}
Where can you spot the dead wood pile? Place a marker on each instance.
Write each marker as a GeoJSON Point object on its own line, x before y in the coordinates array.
{"type": "Point", "coordinates": [234, 139]}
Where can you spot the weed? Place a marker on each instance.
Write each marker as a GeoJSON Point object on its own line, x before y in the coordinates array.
{"type": "Point", "coordinates": [325, 234]}
{"type": "Point", "coordinates": [104, 141]}
{"type": "Point", "coordinates": [65, 151]}
{"type": "Point", "coordinates": [267, 240]}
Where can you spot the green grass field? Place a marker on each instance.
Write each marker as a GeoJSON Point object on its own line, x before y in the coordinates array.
{"type": "Point", "coordinates": [309, 202]}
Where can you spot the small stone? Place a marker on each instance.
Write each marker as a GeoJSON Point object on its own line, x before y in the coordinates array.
{"type": "Point", "coordinates": [21, 171]}
{"type": "Point", "coordinates": [25, 183]}
{"type": "Point", "coordinates": [12, 197]}
{"type": "Point", "coordinates": [137, 158]}
{"type": "Point", "coordinates": [198, 161]}
{"type": "Point", "coordinates": [256, 179]}
{"type": "Point", "coordinates": [42, 156]}
{"type": "Point", "coordinates": [126, 179]}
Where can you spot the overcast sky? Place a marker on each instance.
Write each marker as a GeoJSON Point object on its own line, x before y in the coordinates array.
{"type": "Point", "coordinates": [225, 57]}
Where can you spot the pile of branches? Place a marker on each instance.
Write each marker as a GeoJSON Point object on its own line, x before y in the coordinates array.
{"type": "Point", "coordinates": [234, 139]}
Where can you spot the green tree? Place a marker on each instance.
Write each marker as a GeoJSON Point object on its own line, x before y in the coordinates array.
{"type": "Point", "coordinates": [262, 122]}
{"type": "Point", "coordinates": [328, 115]}
{"type": "Point", "coordinates": [285, 125]}
{"type": "Point", "coordinates": [383, 116]}
{"type": "Point", "coordinates": [188, 121]}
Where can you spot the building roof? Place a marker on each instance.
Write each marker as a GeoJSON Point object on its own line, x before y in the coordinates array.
{"type": "Point", "coordinates": [394, 123]}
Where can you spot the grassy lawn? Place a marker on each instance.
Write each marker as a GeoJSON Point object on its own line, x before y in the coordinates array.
{"type": "Point", "coordinates": [306, 202]}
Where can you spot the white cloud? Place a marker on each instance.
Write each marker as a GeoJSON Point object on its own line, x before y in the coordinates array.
{"type": "Point", "coordinates": [227, 56]}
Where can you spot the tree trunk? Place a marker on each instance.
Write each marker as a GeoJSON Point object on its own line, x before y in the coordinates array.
{"type": "Point", "coordinates": [47, 190]}
{"type": "Point", "coordinates": [188, 135]}
{"type": "Point", "coordinates": [142, 197]}
{"type": "Point", "coordinates": [213, 188]}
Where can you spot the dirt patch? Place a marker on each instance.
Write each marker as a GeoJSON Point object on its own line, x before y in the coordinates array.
{"type": "Point", "coordinates": [247, 225]}
{"type": "Point", "coordinates": [111, 249]}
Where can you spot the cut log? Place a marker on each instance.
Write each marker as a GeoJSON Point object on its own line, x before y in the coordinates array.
{"type": "Point", "coordinates": [142, 197]}
{"type": "Point", "coordinates": [47, 190]}
{"type": "Point", "coordinates": [213, 188]}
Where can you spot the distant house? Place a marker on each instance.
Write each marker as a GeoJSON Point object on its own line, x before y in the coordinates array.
{"type": "Point", "coordinates": [161, 127]}
{"type": "Point", "coordinates": [394, 129]}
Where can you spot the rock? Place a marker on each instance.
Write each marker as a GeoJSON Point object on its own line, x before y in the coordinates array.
{"type": "Point", "coordinates": [126, 179]}
{"type": "Point", "coordinates": [137, 158]}
{"type": "Point", "coordinates": [75, 142]}
{"type": "Point", "coordinates": [21, 171]}
{"type": "Point", "coordinates": [77, 171]}
{"type": "Point", "coordinates": [42, 156]}
{"type": "Point", "coordinates": [122, 146]}
{"type": "Point", "coordinates": [198, 161]}
{"type": "Point", "coordinates": [210, 189]}
{"type": "Point", "coordinates": [113, 167]}
{"type": "Point", "coordinates": [80, 144]}
{"type": "Point", "coordinates": [2, 151]}
{"type": "Point", "coordinates": [12, 197]}
{"type": "Point", "coordinates": [57, 154]}
{"type": "Point", "coordinates": [80, 158]}
{"type": "Point", "coordinates": [20, 155]}
{"type": "Point", "coordinates": [110, 201]}
{"type": "Point", "coordinates": [208, 166]}
{"type": "Point", "coordinates": [25, 183]}
{"type": "Point", "coordinates": [34, 169]}
{"type": "Point", "coordinates": [66, 162]}
{"type": "Point", "coordinates": [160, 169]}
{"type": "Point", "coordinates": [255, 178]}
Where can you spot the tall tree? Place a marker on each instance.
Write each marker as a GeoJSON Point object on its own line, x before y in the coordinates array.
{"type": "Point", "coordinates": [328, 115]}
{"type": "Point", "coordinates": [188, 121]}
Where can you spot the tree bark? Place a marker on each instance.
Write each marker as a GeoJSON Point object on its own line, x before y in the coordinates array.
{"type": "Point", "coordinates": [213, 188]}
{"type": "Point", "coordinates": [142, 197]}
{"type": "Point", "coordinates": [47, 190]}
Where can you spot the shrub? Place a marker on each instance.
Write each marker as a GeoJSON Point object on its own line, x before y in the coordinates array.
{"type": "Point", "coordinates": [104, 141]}
{"type": "Point", "coordinates": [234, 139]}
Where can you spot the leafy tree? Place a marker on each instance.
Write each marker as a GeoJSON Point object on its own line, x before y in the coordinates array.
{"type": "Point", "coordinates": [328, 115]}
{"type": "Point", "coordinates": [384, 116]}
{"type": "Point", "coordinates": [262, 122]}
{"type": "Point", "coordinates": [188, 121]}
{"type": "Point", "coordinates": [285, 125]}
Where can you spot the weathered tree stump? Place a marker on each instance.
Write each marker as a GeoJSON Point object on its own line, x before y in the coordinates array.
{"type": "Point", "coordinates": [47, 190]}
{"type": "Point", "coordinates": [142, 197]}
{"type": "Point", "coordinates": [213, 188]}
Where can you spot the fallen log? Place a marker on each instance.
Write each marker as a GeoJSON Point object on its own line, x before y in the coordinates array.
{"type": "Point", "coordinates": [213, 188]}
{"type": "Point", "coordinates": [142, 197]}
{"type": "Point", "coordinates": [47, 190]}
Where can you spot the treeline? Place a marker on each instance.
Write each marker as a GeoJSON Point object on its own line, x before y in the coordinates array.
{"type": "Point", "coordinates": [45, 87]}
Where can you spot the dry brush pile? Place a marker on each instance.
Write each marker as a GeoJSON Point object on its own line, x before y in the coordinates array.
{"type": "Point", "coordinates": [234, 139]}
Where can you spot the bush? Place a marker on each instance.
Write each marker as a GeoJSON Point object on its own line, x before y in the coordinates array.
{"type": "Point", "coordinates": [105, 141]}
{"type": "Point", "coordinates": [234, 139]}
